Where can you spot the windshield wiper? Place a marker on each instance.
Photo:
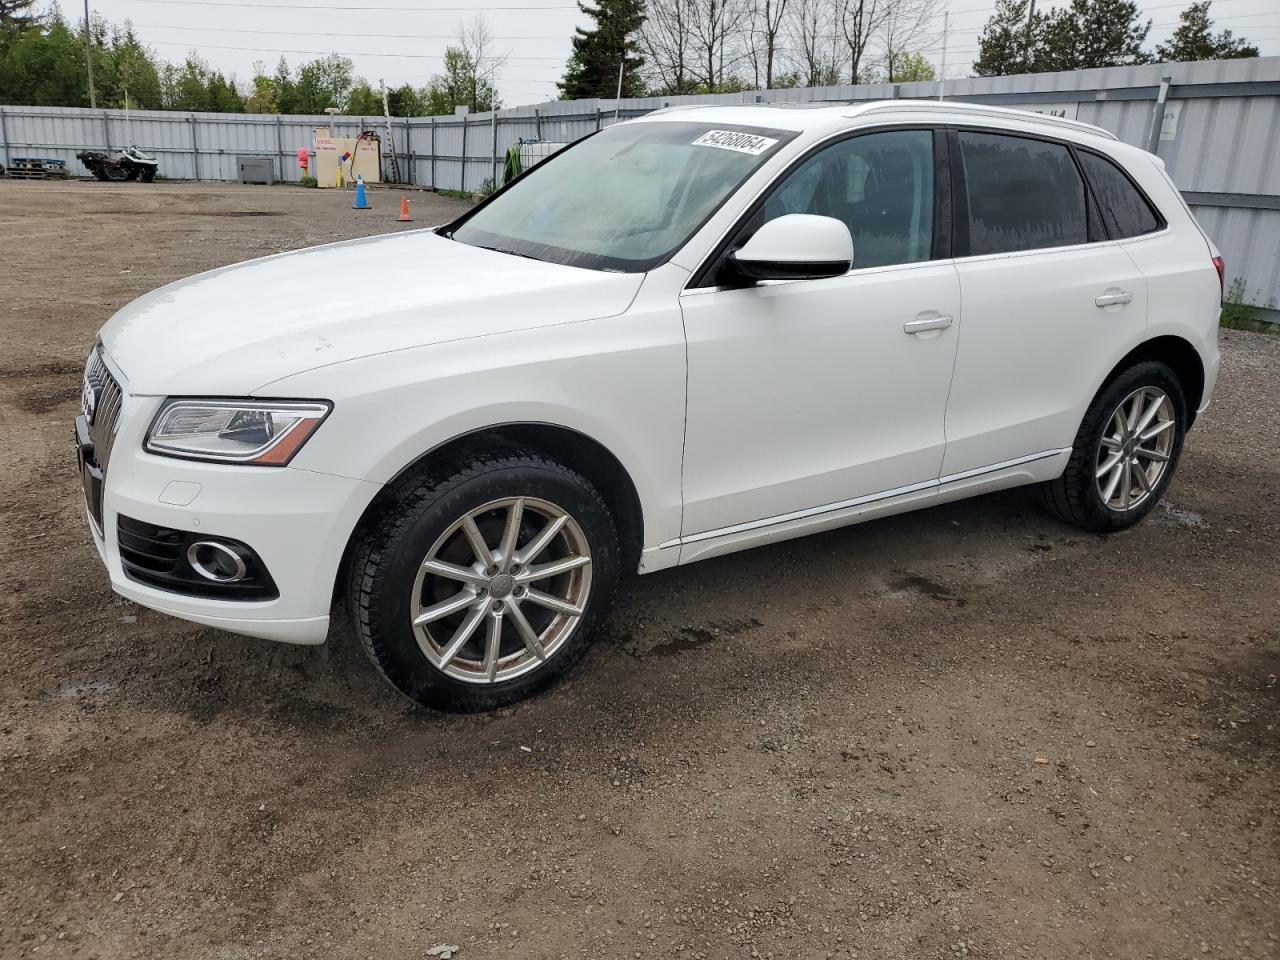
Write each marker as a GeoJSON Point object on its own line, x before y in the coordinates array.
{"type": "Point", "coordinates": [514, 253]}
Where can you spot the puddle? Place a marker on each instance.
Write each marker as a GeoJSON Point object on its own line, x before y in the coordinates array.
{"type": "Point", "coordinates": [690, 638]}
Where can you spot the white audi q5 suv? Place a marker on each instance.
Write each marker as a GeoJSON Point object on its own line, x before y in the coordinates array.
{"type": "Point", "coordinates": [699, 331]}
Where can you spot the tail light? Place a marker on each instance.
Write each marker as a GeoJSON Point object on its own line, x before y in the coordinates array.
{"type": "Point", "coordinates": [1221, 267]}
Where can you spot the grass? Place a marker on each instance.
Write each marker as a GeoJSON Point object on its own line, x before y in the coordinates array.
{"type": "Point", "coordinates": [1237, 315]}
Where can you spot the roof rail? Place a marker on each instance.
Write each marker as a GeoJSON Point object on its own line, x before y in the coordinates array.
{"type": "Point", "coordinates": [978, 110]}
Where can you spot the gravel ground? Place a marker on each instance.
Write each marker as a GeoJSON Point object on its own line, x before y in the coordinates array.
{"type": "Point", "coordinates": [968, 732]}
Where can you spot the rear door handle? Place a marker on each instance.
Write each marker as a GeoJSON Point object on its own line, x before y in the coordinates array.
{"type": "Point", "coordinates": [925, 324]}
{"type": "Point", "coordinates": [1114, 299]}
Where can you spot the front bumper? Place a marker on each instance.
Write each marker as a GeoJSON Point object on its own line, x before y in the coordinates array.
{"type": "Point", "coordinates": [298, 522]}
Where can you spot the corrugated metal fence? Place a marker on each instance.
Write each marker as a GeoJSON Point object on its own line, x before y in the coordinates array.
{"type": "Point", "coordinates": [1218, 132]}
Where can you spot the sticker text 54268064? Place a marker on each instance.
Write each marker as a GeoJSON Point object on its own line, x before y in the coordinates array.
{"type": "Point", "coordinates": [735, 140]}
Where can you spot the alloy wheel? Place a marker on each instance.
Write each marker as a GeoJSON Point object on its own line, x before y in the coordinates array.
{"type": "Point", "coordinates": [501, 590]}
{"type": "Point", "coordinates": [1135, 449]}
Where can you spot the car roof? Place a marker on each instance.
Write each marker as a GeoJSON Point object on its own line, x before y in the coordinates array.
{"type": "Point", "coordinates": [822, 117]}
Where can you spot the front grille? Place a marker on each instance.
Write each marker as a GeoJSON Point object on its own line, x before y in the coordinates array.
{"type": "Point", "coordinates": [101, 402]}
{"type": "Point", "coordinates": [157, 557]}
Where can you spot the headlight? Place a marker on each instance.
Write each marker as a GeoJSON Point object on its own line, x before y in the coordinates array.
{"type": "Point", "coordinates": [267, 432]}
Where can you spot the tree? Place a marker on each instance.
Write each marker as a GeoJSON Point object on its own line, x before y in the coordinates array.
{"type": "Point", "coordinates": [1104, 33]}
{"type": "Point", "coordinates": [1193, 41]}
{"type": "Point", "coordinates": [817, 58]}
{"type": "Point", "coordinates": [767, 18]}
{"type": "Point", "coordinates": [470, 69]}
{"type": "Point", "coordinates": [910, 68]}
{"type": "Point", "coordinates": [1086, 34]}
{"type": "Point", "coordinates": [664, 38]}
{"type": "Point", "coordinates": [1009, 41]}
{"type": "Point", "coordinates": [321, 83]}
{"type": "Point", "coordinates": [364, 101]}
{"type": "Point", "coordinates": [598, 52]}
{"type": "Point", "coordinates": [859, 22]}
{"type": "Point", "coordinates": [16, 15]}
{"type": "Point", "coordinates": [908, 26]}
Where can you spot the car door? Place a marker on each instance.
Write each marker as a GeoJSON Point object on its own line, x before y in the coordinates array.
{"type": "Point", "coordinates": [804, 395]}
{"type": "Point", "coordinates": [1049, 302]}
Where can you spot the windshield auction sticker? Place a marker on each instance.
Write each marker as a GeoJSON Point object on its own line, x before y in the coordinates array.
{"type": "Point", "coordinates": [733, 140]}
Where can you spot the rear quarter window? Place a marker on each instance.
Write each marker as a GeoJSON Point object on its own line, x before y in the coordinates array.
{"type": "Point", "coordinates": [1126, 212]}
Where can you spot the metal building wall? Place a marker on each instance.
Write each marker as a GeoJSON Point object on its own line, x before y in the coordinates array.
{"type": "Point", "coordinates": [1221, 137]}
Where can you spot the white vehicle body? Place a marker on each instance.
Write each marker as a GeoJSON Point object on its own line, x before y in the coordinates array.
{"type": "Point", "coordinates": [738, 416]}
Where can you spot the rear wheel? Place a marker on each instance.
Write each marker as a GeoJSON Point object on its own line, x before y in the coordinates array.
{"type": "Point", "coordinates": [1125, 452]}
{"type": "Point", "coordinates": [482, 584]}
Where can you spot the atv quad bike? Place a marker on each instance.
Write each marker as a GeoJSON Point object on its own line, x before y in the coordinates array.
{"type": "Point", "coordinates": [130, 164]}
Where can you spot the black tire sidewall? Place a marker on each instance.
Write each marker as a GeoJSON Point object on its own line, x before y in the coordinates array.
{"type": "Point", "coordinates": [1150, 373]}
{"type": "Point", "coordinates": [408, 534]}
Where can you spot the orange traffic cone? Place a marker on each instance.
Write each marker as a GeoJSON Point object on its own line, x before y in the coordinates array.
{"type": "Point", "coordinates": [404, 210]}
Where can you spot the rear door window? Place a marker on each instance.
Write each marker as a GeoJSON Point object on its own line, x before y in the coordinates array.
{"type": "Point", "coordinates": [1125, 210]}
{"type": "Point", "coordinates": [1023, 194]}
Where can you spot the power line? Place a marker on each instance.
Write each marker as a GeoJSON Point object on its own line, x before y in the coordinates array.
{"type": "Point", "coordinates": [349, 53]}
{"type": "Point", "coordinates": [331, 6]}
{"type": "Point", "coordinates": [344, 33]}
{"type": "Point", "coordinates": [352, 53]}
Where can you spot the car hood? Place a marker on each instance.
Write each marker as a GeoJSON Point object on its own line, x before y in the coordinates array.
{"type": "Point", "coordinates": [236, 329]}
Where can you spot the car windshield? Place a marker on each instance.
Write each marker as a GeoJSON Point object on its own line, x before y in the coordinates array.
{"type": "Point", "coordinates": [624, 199]}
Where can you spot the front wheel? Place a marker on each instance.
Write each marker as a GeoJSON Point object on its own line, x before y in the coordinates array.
{"type": "Point", "coordinates": [482, 583]}
{"type": "Point", "coordinates": [1125, 452]}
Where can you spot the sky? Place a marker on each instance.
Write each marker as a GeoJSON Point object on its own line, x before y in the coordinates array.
{"type": "Point", "coordinates": [404, 40]}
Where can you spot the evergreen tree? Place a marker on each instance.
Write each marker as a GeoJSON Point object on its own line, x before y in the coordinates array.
{"type": "Point", "coordinates": [16, 15]}
{"type": "Point", "coordinates": [1088, 33]}
{"type": "Point", "coordinates": [1107, 33]}
{"type": "Point", "coordinates": [592, 70]}
{"type": "Point", "coordinates": [1193, 41]}
{"type": "Point", "coordinates": [1008, 43]}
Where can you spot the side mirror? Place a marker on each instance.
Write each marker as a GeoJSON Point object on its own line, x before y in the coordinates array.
{"type": "Point", "coordinates": [796, 246]}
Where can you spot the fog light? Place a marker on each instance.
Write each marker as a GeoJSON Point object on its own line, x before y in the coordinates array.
{"type": "Point", "coordinates": [216, 561]}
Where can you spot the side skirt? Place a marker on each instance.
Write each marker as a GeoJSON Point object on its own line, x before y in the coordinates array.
{"type": "Point", "coordinates": [1035, 468]}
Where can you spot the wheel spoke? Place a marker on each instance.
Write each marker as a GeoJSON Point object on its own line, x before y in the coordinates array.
{"type": "Point", "coordinates": [526, 631]}
{"type": "Point", "coordinates": [1109, 465]}
{"type": "Point", "coordinates": [1157, 401]}
{"type": "Point", "coordinates": [1112, 444]}
{"type": "Point", "coordinates": [542, 540]}
{"type": "Point", "coordinates": [1116, 473]}
{"type": "Point", "coordinates": [444, 608]}
{"type": "Point", "coordinates": [478, 546]}
{"type": "Point", "coordinates": [544, 570]}
{"type": "Point", "coordinates": [1140, 472]}
{"type": "Point", "coordinates": [493, 646]}
{"type": "Point", "coordinates": [1155, 455]}
{"type": "Point", "coordinates": [553, 603]}
{"type": "Point", "coordinates": [461, 635]}
{"type": "Point", "coordinates": [1158, 429]}
{"type": "Point", "coordinates": [453, 571]}
{"type": "Point", "coordinates": [1132, 417]}
{"type": "Point", "coordinates": [507, 549]}
{"type": "Point", "coordinates": [1126, 484]}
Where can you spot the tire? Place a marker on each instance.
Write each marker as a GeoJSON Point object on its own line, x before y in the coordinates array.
{"type": "Point", "coordinates": [148, 175]}
{"type": "Point", "coordinates": [1104, 442]}
{"type": "Point", "coordinates": [440, 664]}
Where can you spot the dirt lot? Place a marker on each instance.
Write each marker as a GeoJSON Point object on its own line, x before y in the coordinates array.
{"type": "Point", "coordinates": [967, 732]}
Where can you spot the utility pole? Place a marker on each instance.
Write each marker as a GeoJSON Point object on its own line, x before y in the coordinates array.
{"type": "Point", "coordinates": [1026, 35]}
{"type": "Point", "coordinates": [942, 71]}
{"type": "Point", "coordinates": [88, 56]}
{"type": "Point", "coordinates": [617, 103]}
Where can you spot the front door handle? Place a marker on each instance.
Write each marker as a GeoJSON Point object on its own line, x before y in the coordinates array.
{"type": "Point", "coordinates": [1114, 299]}
{"type": "Point", "coordinates": [925, 324]}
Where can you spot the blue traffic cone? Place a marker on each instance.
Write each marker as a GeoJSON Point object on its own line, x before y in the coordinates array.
{"type": "Point", "coordinates": [362, 202]}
